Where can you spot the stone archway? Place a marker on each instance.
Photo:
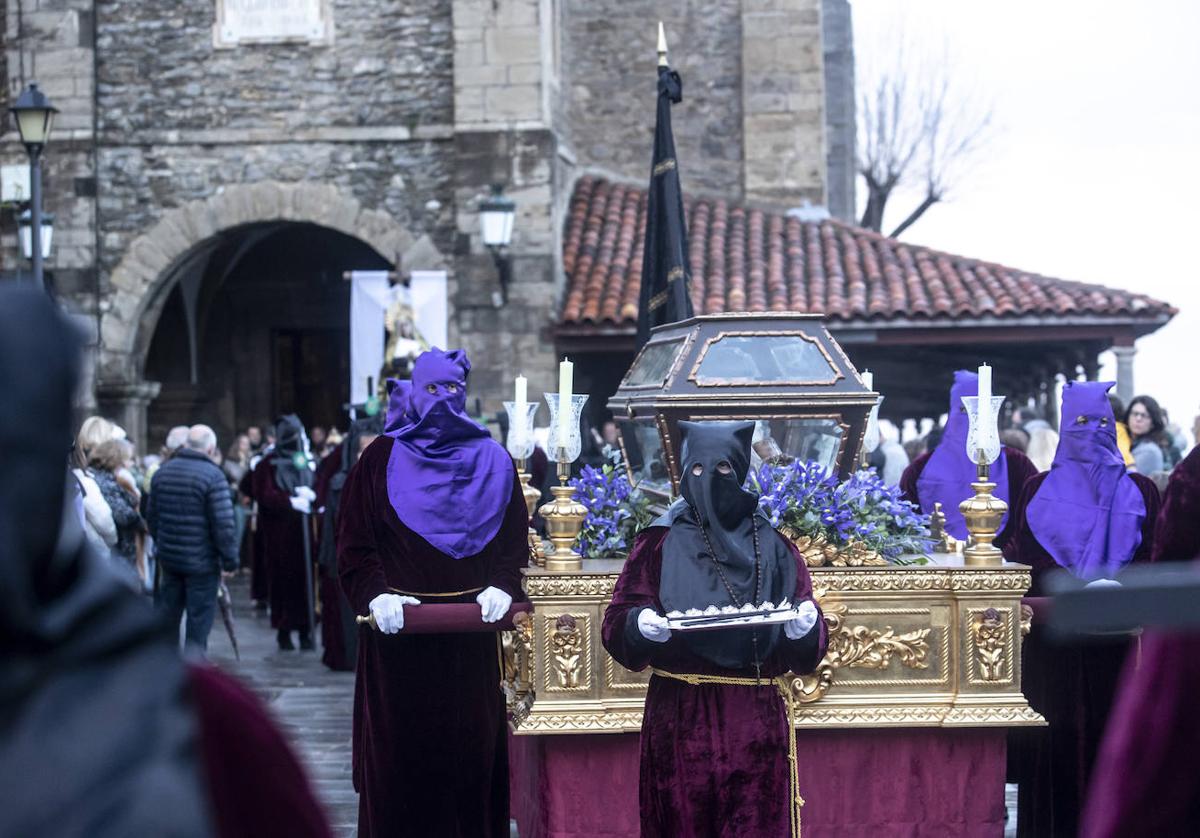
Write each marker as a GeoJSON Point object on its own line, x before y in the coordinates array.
{"type": "Point", "coordinates": [151, 264]}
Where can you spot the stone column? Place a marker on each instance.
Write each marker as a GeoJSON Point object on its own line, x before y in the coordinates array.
{"type": "Point", "coordinates": [783, 106]}
{"type": "Point", "coordinates": [1125, 355]}
{"type": "Point", "coordinates": [125, 403]}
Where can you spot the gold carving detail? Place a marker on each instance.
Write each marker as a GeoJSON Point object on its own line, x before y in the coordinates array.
{"type": "Point", "coordinates": [989, 634]}
{"type": "Point", "coordinates": [861, 647]}
{"type": "Point", "coordinates": [516, 659]}
{"type": "Point", "coordinates": [567, 650]}
{"type": "Point", "coordinates": [818, 551]}
{"type": "Point", "coordinates": [570, 585]}
{"type": "Point", "coordinates": [1026, 619]}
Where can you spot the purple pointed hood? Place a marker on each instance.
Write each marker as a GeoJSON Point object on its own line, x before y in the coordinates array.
{"type": "Point", "coordinates": [949, 472]}
{"type": "Point", "coordinates": [1088, 512]}
{"type": "Point", "coordinates": [448, 480]}
{"type": "Point", "coordinates": [397, 409]}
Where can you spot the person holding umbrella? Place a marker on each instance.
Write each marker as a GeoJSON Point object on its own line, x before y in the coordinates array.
{"type": "Point", "coordinates": [282, 485]}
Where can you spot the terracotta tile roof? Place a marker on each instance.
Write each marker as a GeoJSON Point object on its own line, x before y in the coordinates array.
{"type": "Point", "coordinates": [754, 260]}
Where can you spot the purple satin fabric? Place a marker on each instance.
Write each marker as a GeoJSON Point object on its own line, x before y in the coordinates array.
{"type": "Point", "coordinates": [948, 475]}
{"type": "Point", "coordinates": [1088, 512]}
{"type": "Point", "coordinates": [448, 480]}
{"type": "Point", "coordinates": [397, 410]}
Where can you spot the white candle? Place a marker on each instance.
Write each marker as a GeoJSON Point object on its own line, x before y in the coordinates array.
{"type": "Point", "coordinates": [566, 376]}
{"type": "Point", "coordinates": [868, 379]}
{"type": "Point", "coordinates": [521, 397]}
{"type": "Point", "coordinates": [987, 422]}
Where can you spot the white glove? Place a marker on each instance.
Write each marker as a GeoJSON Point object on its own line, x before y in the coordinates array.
{"type": "Point", "coordinates": [653, 626]}
{"type": "Point", "coordinates": [388, 611]}
{"type": "Point", "coordinates": [803, 623]}
{"type": "Point", "coordinates": [306, 492]}
{"type": "Point", "coordinates": [494, 603]}
{"type": "Point", "coordinates": [1103, 583]}
{"type": "Point", "coordinates": [301, 504]}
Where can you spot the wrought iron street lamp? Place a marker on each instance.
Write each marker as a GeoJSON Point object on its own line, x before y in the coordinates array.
{"type": "Point", "coordinates": [496, 215]}
{"type": "Point", "coordinates": [35, 117]}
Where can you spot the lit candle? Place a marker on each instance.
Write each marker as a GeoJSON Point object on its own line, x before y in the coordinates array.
{"type": "Point", "coordinates": [566, 376]}
{"type": "Point", "coordinates": [868, 379]}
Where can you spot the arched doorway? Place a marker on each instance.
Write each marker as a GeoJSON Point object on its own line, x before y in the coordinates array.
{"type": "Point", "coordinates": [257, 327]}
{"type": "Point", "coordinates": [194, 240]}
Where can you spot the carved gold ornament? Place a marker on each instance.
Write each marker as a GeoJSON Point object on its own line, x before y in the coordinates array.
{"type": "Point", "coordinates": [516, 668]}
{"type": "Point", "coordinates": [567, 652]}
{"type": "Point", "coordinates": [1026, 619]}
{"type": "Point", "coordinates": [818, 551]}
{"type": "Point", "coordinates": [859, 647]}
{"type": "Point", "coordinates": [988, 631]}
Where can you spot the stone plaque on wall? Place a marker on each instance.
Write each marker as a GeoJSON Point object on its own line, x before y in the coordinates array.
{"type": "Point", "coordinates": [241, 22]}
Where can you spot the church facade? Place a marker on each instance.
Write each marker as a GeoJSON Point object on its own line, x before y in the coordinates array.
{"type": "Point", "coordinates": [218, 164]}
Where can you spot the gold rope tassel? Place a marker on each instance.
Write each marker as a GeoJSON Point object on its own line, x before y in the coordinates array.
{"type": "Point", "coordinates": [789, 704]}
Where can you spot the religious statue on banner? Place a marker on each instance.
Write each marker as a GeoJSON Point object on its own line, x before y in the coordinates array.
{"type": "Point", "coordinates": [404, 340]}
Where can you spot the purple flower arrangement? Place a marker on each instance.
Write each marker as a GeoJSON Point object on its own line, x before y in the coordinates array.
{"type": "Point", "coordinates": [615, 512]}
{"type": "Point", "coordinates": [805, 498]}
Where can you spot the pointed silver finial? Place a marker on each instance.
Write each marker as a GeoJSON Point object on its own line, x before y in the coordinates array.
{"type": "Point", "coordinates": [662, 45]}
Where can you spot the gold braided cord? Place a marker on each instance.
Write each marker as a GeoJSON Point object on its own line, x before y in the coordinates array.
{"type": "Point", "coordinates": [429, 595]}
{"type": "Point", "coordinates": [789, 703]}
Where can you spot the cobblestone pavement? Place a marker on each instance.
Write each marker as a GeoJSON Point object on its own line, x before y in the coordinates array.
{"type": "Point", "coordinates": [311, 704]}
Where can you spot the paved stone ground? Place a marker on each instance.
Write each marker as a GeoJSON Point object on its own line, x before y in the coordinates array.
{"type": "Point", "coordinates": [311, 704]}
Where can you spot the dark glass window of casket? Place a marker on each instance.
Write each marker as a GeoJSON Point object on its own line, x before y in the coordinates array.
{"type": "Point", "coordinates": [654, 364]}
{"type": "Point", "coordinates": [645, 457]}
{"type": "Point", "coordinates": [764, 359]}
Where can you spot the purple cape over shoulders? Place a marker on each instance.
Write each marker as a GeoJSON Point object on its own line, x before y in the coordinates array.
{"type": "Point", "coordinates": [1088, 513]}
{"type": "Point", "coordinates": [429, 737]}
{"type": "Point", "coordinates": [1177, 531]}
{"type": "Point", "coordinates": [949, 472]}
{"type": "Point", "coordinates": [443, 462]}
{"type": "Point", "coordinates": [714, 757]}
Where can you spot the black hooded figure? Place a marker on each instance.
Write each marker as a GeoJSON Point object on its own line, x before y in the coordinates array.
{"type": "Point", "coordinates": [339, 632]}
{"type": "Point", "coordinates": [282, 485]}
{"type": "Point", "coordinates": [715, 734]}
{"type": "Point", "coordinates": [720, 550]}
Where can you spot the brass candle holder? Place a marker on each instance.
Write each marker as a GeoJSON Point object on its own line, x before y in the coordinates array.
{"type": "Point", "coordinates": [537, 552]}
{"type": "Point", "coordinates": [564, 518]}
{"type": "Point", "coordinates": [983, 514]}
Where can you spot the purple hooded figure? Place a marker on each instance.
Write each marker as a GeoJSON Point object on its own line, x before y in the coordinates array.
{"type": "Point", "coordinates": [1088, 512]}
{"type": "Point", "coordinates": [1087, 515]}
{"type": "Point", "coordinates": [948, 472]}
{"type": "Point", "coordinates": [431, 513]}
{"type": "Point", "coordinates": [443, 461]}
{"type": "Point", "coordinates": [397, 408]}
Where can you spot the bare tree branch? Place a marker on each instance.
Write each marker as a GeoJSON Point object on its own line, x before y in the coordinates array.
{"type": "Point", "coordinates": [919, 133]}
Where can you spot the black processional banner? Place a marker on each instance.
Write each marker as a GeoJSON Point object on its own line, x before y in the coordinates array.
{"type": "Point", "coordinates": [666, 274]}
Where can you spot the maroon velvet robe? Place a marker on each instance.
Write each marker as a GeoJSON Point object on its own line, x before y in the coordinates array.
{"type": "Point", "coordinates": [255, 785]}
{"type": "Point", "coordinates": [430, 736]}
{"type": "Point", "coordinates": [260, 577]}
{"type": "Point", "coordinates": [281, 536]}
{"type": "Point", "coordinates": [1145, 779]}
{"type": "Point", "coordinates": [329, 588]}
{"type": "Point", "coordinates": [1177, 535]}
{"type": "Point", "coordinates": [1072, 685]}
{"type": "Point", "coordinates": [714, 757]}
{"type": "Point", "coordinates": [1020, 469]}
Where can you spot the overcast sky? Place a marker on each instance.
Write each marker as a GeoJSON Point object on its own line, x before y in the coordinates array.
{"type": "Point", "coordinates": [1094, 175]}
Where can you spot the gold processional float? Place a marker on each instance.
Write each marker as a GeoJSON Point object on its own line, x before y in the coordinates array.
{"type": "Point", "coordinates": [910, 645]}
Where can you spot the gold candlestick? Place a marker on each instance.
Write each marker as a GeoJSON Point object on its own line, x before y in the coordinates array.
{"type": "Point", "coordinates": [536, 551]}
{"type": "Point", "coordinates": [983, 514]}
{"type": "Point", "coordinates": [943, 542]}
{"type": "Point", "coordinates": [564, 518]}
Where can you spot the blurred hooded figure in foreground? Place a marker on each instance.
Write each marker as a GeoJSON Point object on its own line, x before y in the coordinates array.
{"type": "Point", "coordinates": [103, 729]}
